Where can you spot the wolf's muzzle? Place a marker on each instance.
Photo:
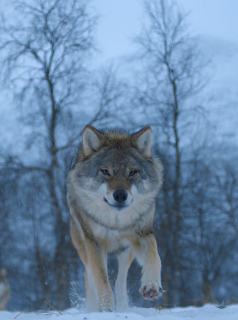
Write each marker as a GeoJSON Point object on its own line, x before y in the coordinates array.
{"type": "Point", "coordinates": [120, 196]}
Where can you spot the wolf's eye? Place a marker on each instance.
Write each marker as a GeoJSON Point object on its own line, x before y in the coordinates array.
{"type": "Point", "coordinates": [132, 173]}
{"type": "Point", "coordinates": [105, 172]}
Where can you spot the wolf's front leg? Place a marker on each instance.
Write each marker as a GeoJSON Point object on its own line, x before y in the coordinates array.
{"type": "Point", "coordinates": [148, 257]}
{"type": "Point", "coordinates": [125, 259]}
{"type": "Point", "coordinates": [97, 273]}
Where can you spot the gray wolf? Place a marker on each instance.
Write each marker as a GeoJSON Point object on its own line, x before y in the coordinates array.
{"type": "Point", "coordinates": [4, 289]}
{"type": "Point", "coordinates": [111, 190]}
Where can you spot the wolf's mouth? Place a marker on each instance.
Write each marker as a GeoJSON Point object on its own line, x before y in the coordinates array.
{"type": "Point", "coordinates": [118, 207]}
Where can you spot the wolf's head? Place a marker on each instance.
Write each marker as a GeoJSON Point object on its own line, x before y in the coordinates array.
{"type": "Point", "coordinates": [114, 172]}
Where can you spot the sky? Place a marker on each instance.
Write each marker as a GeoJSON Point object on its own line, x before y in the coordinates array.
{"type": "Point", "coordinates": [217, 20]}
{"type": "Point", "coordinates": [214, 21]}
{"type": "Point", "coordinates": [122, 19]}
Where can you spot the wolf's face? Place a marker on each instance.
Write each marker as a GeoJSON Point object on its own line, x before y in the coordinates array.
{"type": "Point", "coordinates": [115, 173]}
{"type": "Point", "coordinates": [119, 178]}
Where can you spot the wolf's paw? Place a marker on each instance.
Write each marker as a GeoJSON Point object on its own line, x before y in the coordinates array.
{"type": "Point", "coordinates": [106, 301]}
{"type": "Point", "coordinates": [151, 289]}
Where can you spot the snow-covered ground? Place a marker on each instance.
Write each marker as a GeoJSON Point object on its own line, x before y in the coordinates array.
{"type": "Point", "coordinates": [207, 312]}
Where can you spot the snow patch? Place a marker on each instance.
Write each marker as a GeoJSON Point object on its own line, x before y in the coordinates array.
{"type": "Point", "coordinates": [206, 312]}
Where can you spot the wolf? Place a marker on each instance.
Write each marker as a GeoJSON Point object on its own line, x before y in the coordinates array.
{"type": "Point", "coordinates": [111, 191]}
{"type": "Point", "coordinates": [4, 289]}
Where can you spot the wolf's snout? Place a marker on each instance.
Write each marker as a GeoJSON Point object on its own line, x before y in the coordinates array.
{"type": "Point", "coordinates": [120, 196]}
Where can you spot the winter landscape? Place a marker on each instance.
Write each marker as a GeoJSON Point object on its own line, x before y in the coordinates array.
{"type": "Point", "coordinates": [170, 65]}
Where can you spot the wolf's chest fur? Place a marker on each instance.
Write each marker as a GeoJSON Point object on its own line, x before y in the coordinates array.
{"type": "Point", "coordinates": [116, 229]}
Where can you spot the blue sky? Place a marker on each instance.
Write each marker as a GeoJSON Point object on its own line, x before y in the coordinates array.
{"type": "Point", "coordinates": [121, 19]}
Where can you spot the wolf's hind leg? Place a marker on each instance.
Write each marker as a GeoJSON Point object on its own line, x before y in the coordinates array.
{"type": "Point", "coordinates": [125, 259]}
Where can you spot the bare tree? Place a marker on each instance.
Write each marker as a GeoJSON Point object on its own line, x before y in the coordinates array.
{"type": "Point", "coordinates": [173, 76]}
{"type": "Point", "coordinates": [213, 237]}
{"type": "Point", "coordinates": [46, 53]}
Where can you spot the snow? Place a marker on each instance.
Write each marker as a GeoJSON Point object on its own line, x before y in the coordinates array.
{"type": "Point", "coordinates": [207, 312]}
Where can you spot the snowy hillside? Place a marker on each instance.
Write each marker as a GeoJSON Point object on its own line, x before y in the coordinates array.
{"type": "Point", "coordinates": [204, 313]}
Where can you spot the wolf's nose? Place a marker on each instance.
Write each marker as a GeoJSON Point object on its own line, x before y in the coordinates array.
{"type": "Point", "coordinates": [120, 196]}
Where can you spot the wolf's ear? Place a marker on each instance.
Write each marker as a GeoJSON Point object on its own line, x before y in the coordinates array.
{"type": "Point", "coordinates": [92, 140]}
{"type": "Point", "coordinates": [143, 140]}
